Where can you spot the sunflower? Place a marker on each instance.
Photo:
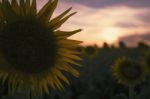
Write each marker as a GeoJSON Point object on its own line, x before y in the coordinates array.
{"type": "Point", "coordinates": [34, 53]}
{"type": "Point", "coordinates": [128, 72]}
{"type": "Point", "coordinates": [90, 51]}
{"type": "Point", "coordinates": [79, 49]}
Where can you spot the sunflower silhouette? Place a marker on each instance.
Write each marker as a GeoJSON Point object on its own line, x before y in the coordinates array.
{"type": "Point", "coordinates": [90, 51]}
{"type": "Point", "coordinates": [33, 51]}
{"type": "Point", "coordinates": [128, 72]}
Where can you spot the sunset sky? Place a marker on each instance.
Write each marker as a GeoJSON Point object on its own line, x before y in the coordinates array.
{"type": "Point", "coordinates": [107, 20]}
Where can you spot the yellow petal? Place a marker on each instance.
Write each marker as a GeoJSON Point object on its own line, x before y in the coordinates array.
{"type": "Point", "coordinates": [64, 50]}
{"type": "Point", "coordinates": [58, 24]}
{"type": "Point", "coordinates": [15, 6]}
{"type": "Point", "coordinates": [57, 83]}
{"type": "Point", "coordinates": [58, 18]}
{"type": "Point", "coordinates": [33, 7]}
{"type": "Point", "coordinates": [45, 87]}
{"type": "Point", "coordinates": [43, 9]}
{"type": "Point", "coordinates": [62, 77]}
{"type": "Point", "coordinates": [22, 7]}
{"type": "Point", "coordinates": [66, 33]}
{"type": "Point", "coordinates": [71, 61]}
{"type": "Point", "coordinates": [47, 11]}
{"type": "Point", "coordinates": [50, 81]}
{"type": "Point", "coordinates": [66, 67]}
{"type": "Point", "coordinates": [27, 6]}
{"type": "Point", "coordinates": [69, 42]}
{"type": "Point", "coordinates": [9, 13]}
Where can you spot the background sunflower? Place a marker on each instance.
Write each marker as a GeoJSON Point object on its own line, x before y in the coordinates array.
{"type": "Point", "coordinates": [33, 51]}
{"type": "Point", "coordinates": [128, 72]}
{"type": "Point", "coordinates": [90, 51]}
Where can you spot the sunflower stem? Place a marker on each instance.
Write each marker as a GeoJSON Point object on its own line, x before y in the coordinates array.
{"type": "Point", "coordinates": [131, 91]}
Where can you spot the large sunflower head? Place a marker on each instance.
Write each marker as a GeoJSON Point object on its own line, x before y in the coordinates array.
{"type": "Point", "coordinates": [33, 51]}
{"type": "Point", "coordinates": [128, 72]}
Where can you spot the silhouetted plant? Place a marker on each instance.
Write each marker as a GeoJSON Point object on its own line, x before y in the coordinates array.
{"type": "Point", "coordinates": [122, 44]}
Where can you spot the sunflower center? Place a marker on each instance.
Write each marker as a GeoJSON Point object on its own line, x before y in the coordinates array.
{"type": "Point", "coordinates": [132, 71]}
{"type": "Point", "coordinates": [28, 46]}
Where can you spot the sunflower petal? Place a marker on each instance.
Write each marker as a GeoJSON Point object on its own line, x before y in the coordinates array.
{"type": "Point", "coordinates": [71, 56]}
{"type": "Point", "coordinates": [44, 9]}
{"type": "Point", "coordinates": [69, 43]}
{"type": "Point", "coordinates": [58, 18]}
{"type": "Point", "coordinates": [67, 68]}
{"type": "Point", "coordinates": [27, 6]}
{"type": "Point", "coordinates": [62, 77]}
{"type": "Point", "coordinates": [8, 11]}
{"type": "Point", "coordinates": [73, 71]}
{"type": "Point", "coordinates": [33, 7]}
{"type": "Point", "coordinates": [64, 50]}
{"type": "Point", "coordinates": [71, 61]}
{"type": "Point", "coordinates": [48, 10]}
{"type": "Point", "coordinates": [22, 7]}
{"type": "Point", "coordinates": [58, 83]}
{"type": "Point", "coordinates": [50, 81]}
{"type": "Point", "coordinates": [15, 6]}
{"type": "Point", "coordinates": [58, 24]}
{"type": "Point", "coordinates": [45, 88]}
{"type": "Point", "coordinates": [66, 33]}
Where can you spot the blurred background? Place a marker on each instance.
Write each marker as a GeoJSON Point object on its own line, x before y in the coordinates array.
{"type": "Point", "coordinates": [111, 29]}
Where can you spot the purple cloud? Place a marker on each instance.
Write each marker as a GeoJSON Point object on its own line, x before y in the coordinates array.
{"type": "Point", "coordinates": [108, 3]}
{"type": "Point", "coordinates": [126, 24]}
{"type": "Point", "coordinates": [132, 40]}
{"type": "Point", "coordinates": [145, 17]}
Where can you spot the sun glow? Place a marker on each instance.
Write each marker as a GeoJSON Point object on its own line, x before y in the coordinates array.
{"type": "Point", "coordinates": [110, 35]}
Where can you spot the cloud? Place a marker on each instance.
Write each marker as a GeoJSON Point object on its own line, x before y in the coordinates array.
{"type": "Point", "coordinates": [144, 16]}
{"type": "Point", "coordinates": [126, 25]}
{"type": "Point", "coordinates": [103, 24]}
{"type": "Point", "coordinates": [133, 39]}
{"type": "Point", "coordinates": [108, 3]}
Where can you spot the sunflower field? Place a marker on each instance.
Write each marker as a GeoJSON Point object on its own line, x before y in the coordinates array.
{"type": "Point", "coordinates": [38, 61]}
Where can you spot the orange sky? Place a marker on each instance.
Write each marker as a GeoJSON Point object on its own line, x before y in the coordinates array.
{"type": "Point", "coordinates": [103, 24]}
